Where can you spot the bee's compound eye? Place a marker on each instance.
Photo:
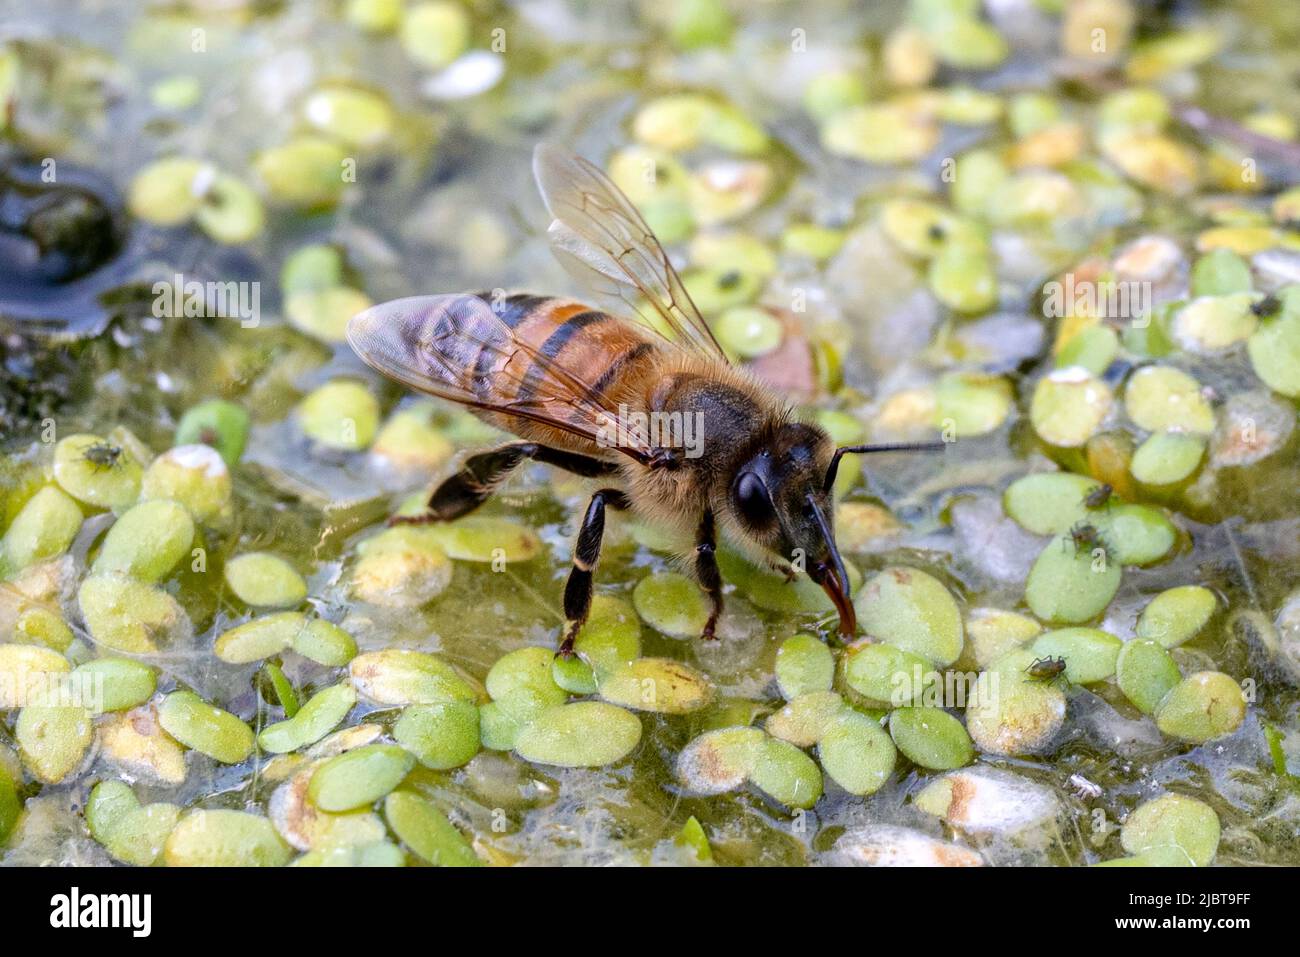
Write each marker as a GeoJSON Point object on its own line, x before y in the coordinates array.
{"type": "Point", "coordinates": [752, 500]}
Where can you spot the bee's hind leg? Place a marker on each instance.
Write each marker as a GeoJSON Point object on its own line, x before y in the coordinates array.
{"type": "Point", "coordinates": [706, 570]}
{"type": "Point", "coordinates": [577, 590]}
{"type": "Point", "coordinates": [482, 472]}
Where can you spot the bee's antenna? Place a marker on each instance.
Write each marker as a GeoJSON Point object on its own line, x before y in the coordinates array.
{"type": "Point", "coordinates": [888, 447]}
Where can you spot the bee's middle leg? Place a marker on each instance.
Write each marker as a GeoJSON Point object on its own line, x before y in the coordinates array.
{"type": "Point", "coordinates": [479, 477]}
{"type": "Point", "coordinates": [578, 589]}
{"type": "Point", "coordinates": [706, 570]}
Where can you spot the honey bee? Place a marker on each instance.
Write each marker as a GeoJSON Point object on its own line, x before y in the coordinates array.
{"type": "Point", "coordinates": [566, 379]}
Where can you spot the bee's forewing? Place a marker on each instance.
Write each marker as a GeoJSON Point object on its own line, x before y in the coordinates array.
{"type": "Point", "coordinates": [428, 343]}
{"type": "Point", "coordinates": [599, 236]}
{"type": "Point", "coordinates": [457, 348]}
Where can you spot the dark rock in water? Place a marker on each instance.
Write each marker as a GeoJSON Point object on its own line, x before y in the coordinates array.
{"type": "Point", "coordinates": [64, 272]}
{"type": "Point", "coordinates": [53, 232]}
{"type": "Point", "coordinates": [63, 246]}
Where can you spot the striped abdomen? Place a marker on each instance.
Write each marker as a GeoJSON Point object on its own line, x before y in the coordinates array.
{"type": "Point", "coordinates": [545, 350]}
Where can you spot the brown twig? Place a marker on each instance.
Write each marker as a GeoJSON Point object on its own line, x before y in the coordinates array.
{"type": "Point", "coordinates": [1208, 125]}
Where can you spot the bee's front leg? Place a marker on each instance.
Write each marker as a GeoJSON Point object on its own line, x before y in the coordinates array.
{"type": "Point", "coordinates": [706, 570]}
{"type": "Point", "coordinates": [782, 568]}
{"type": "Point", "coordinates": [577, 590]}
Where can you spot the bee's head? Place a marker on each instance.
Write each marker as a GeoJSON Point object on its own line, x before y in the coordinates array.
{"type": "Point", "coordinates": [780, 498]}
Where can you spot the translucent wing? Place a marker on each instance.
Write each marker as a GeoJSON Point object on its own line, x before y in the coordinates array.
{"type": "Point", "coordinates": [456, 347]}
{"type": "Point", "coordinates": [599, 236]}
